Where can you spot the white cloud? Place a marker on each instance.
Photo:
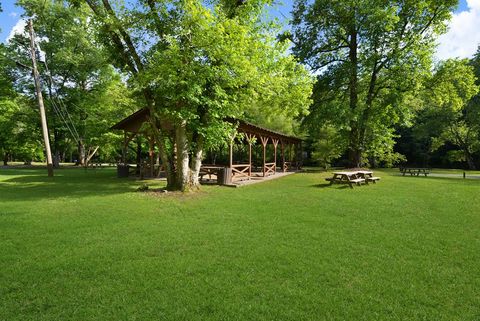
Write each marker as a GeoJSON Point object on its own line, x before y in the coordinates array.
{"type": "Point", "coordinates": [18, 28]}
{"type": "Point", "coordinates": [463, 36]}
{"type": "Point", "coordinates": [13, 14]}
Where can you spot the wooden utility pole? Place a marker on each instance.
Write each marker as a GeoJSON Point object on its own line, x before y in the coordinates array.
{"type": "Point", "coordinates": [41, 106]}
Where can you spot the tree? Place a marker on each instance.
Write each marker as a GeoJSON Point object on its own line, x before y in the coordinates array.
{"type": "Point", "coordinates": [327, 145]}
{"type": "Point", "coordinates": [18, 128]}
{"type": "Point", "coordinates": [368, 55]}
{"type": "Point", "coordinates": [450, 116]}
{"type": "Point", "coordinates": [84, 94]}
{"type": "Point", "coordinates": [196, 64]}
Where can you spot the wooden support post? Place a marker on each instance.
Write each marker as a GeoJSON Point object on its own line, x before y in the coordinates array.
{"type": "Point", "coordinates": [124, 151]}
{"type": "Point", "coordinates": [231, 153]}
{"type": "Point", "coordinates": [249, 140]}
{"type": "Point", "coordinates": [126, 141]}
{"type": "Point", "coordinates": [264, 144]}
{"type": "Point", "coordinates": [41, 106]}
{"type": "Point", "coordinates": [295, 153]}
{"type": "Point", "coordinates": [275, 144]}
{"type": "Point", "coordinates": [282, 146]}
{"type": "Point", "coordinates": [300, 150]}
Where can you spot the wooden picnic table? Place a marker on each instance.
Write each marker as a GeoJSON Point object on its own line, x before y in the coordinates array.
{"type": "Point", "coordinates": [209, 170]}
{"type": "Point", "coordinates": [352, 177]}
{"type": "Point", "coordinates": [349, 178]}
{"type": "Point", "coordinates": [415, 171]}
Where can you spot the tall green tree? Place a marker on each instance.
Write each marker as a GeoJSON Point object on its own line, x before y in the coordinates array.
{"type": "Point", "coordinates": [450, 116]}
{"type": "Point", "coordinates": [84, 94]}
{"type": "Point", "coordinates": [19, 130]}
{"type": "Point", "coordinates": [367, 54]}
{"type": "Point", "coordinates": [196, 63]}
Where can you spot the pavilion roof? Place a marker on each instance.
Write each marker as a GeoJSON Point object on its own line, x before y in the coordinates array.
{"type": "Point", "coordinates": [134, 122]}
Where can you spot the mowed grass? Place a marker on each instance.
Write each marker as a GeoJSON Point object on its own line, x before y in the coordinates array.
{"type": "Point", "coordinates": [86, 246]}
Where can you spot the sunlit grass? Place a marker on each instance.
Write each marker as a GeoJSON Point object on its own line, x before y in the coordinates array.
{"type": "Point", "coordinates": [86, 246]}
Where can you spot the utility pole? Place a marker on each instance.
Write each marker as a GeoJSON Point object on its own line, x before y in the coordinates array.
{"type": "Point", "coordinates": [41, 106]}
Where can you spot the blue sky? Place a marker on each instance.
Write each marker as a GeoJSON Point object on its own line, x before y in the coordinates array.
{"type": "Point", "coordinates": [461, 41]}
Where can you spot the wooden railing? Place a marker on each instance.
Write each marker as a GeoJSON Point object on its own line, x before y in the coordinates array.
{"type": "Point", "coordinates": [240, 170]}
{"type": "Point", "coordinates": [269, 169]}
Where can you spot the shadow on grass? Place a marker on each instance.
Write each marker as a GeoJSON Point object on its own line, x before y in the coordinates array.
{"type": "Point", "coordinates": [336, 186]}
{"type": "Point", "coordinates": [22, 185]}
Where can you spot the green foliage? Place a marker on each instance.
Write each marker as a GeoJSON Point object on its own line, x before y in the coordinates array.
{"type": "Point", "coordinates": [79, 80]}
{"type": "Point", "coordinates": [327, 145]}
{"type": "Point", "coordinates": [370, 56]}
{"type": "Point", "coordinates": [215, 66]}
{"type": "Point", "coordinates": [450, 117]}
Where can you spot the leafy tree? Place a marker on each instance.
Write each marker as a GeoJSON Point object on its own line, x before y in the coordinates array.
{"type": "Point", "coordinates": [195, 64]}
{"type": "Point", "coordinates": [327, 145]}
{"type": "Point", "coordinates": [18, 128]}
{"type": "Point", "coordinates": [83, 93]}
{"type": "Point", "coordinates": [368, 56]}
{"type": "Point", "coordinates": [451, 119]}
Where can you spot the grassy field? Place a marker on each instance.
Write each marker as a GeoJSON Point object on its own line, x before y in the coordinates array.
{"type": "Point", "coordinates": [86, 246]}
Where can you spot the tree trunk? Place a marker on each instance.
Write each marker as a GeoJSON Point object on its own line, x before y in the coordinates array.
{"type": "Point", "coordinates": [81, 153]}
{"type": "Point", "coordinates": [139, 155]}
{"type": "Point", "coordinates": [183, 182]}
{"type": "Point", "coordinates": [5, 159]}
{"type": "Point", "coordinates": [159, 137]}
{"type": "Point", "coordinates": [197, 163]}
{"type": "Point", "coordinates": [354, 149]}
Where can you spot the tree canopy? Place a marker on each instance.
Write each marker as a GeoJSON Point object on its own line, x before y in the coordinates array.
{"type": "Point", "coordinates": [369, 57]}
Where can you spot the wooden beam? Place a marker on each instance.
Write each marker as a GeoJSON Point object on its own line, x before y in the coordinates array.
{"type": "Point", "coordinates": [126, 140]}
{"type": "Point", "coordinates": [264, 144]}
{"type": "Point", "coordinates": [249, 138]}
{"type": "Point", "coordinates": [231, 154]}
{"type": "Point", "coordinates": [275, 144]}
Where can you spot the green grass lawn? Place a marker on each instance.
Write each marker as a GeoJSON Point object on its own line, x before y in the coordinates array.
{"type": "Point", "coordinates": [86, 246]}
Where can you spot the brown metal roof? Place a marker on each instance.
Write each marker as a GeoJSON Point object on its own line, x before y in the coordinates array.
{"type": "Point", "coordinates": [134, 122]}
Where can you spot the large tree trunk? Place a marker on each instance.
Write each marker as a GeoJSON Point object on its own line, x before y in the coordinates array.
{"type": "Point", "coordinates": [197, 163]}
{"type": "Point", "coordinates": [5, 159]}
{"type": "Point", "coordinates": [183, 170]}
{"type": "Point", "coordinates": [354, 148]}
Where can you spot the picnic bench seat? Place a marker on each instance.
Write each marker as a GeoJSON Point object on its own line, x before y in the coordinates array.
{"type": "Point", "coordinates": [373, 179]}
{"type": "Point", "coordinates": [358, 181]}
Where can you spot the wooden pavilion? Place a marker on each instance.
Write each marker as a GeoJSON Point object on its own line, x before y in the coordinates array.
{"type": "Point", "coordinates": [132, 126]}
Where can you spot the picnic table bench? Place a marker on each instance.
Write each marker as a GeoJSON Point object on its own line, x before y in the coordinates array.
{"type": "Point", "coordinates": [352, 177]}
{"type": "Point", "coordinates": [415, 171]}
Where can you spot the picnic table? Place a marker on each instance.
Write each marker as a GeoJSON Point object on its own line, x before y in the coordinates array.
{"type": "Point", "coordinates": [209, 170]}
{"type": "Point", "coordinates": [352, 177]}
{"type": "Point", "coordinates": [415, 171]}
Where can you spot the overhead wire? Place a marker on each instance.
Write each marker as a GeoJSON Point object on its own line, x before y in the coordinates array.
{"type": "Point", "coordinates": [59, 106]}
